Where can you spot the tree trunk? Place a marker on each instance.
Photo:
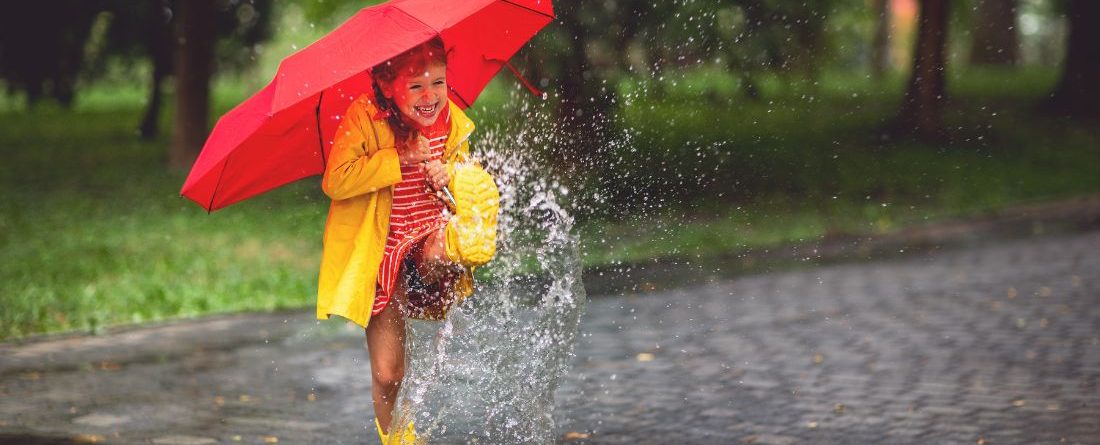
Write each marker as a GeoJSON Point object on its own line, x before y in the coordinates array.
{"type": "Point", "coordinates": [586, 105]}
{"type": "Point", "coordinates": [158, 45]}
{"type": "Point", "coordinates": [880, 43]}
{"type": "Point", "coordinates": [195, 33]}
{"type": "Point", "coordinates": [921, 109]}
{"type": "Point", "coordinates": [1078, 94]}
{"type": "Point", "coordinates": [995, 39]}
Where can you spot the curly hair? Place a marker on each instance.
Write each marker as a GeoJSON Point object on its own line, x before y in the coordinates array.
{"type": "Point", "coordinates": [416, 59]}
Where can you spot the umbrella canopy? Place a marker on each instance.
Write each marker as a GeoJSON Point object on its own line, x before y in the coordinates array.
{"type": "Point", "coordinates": [283, 132]}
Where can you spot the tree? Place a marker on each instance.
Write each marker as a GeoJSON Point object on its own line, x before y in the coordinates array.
{"type": "Point", "coordinates": [194, 57]}
{"type": "Point", "coordinates": [198, 26]}
{"type": "Point", "coordinates": [1077, 93]}
{"type": "Point", "coordinates": [922, 105]}
{"type": "Point", "coordinates": [138, 31]}
{"type": "Point", "coordinates": [995, 39]}
{"type": "Point", "coordinates": [880, 42]}
{"type": "Point", "coordinates": [42, 48]}
{"type": "Point", "coordinates": [158, 45]}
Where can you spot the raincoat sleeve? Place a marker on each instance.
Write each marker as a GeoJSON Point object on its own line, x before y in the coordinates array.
{"type": "Point", "coordinates": [462, 155]}
{"type": "Point", "coordinates": [462, 152]}
{"type": "Point", "coordinates": [357, 165]}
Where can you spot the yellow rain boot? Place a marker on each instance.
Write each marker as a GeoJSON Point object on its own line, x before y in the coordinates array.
{"type": "Point", "coordinates": [407, 437]}
{"type": "Point", "coordinates": [471, 234]}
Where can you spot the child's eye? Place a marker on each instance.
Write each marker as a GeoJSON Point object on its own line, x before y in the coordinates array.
{"type": "Point", "coordinates": [414, 87]}
{"type": "Point", "coordinates": [438, 82]}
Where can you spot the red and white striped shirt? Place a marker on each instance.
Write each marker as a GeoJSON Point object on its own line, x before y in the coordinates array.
{"type": "Point", "coordinates": [416, 213]}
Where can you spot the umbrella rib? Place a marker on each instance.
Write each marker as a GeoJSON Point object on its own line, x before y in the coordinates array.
{"type": "Point", "coordinates": [225, 166]}
{"type": "Point", "coordinates": [459, 96]}
{"type": "Point", "coordinates": [528, 8]}
{"type": "Point", "coordinates": [320, 136]}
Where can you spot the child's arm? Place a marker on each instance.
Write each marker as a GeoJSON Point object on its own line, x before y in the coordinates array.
{"type": "Point", "coordinates": [356, 164]}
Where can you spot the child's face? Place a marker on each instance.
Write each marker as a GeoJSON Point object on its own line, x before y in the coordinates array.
{"type": "Point", "coordinates": [420, 95]}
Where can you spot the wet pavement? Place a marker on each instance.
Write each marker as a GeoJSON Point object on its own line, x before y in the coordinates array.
{"type": "Point", "coordinates": [981, 343]}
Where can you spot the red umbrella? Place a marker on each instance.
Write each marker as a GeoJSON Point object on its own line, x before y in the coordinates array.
{"type": "Point", "coordinates": [283, 133]}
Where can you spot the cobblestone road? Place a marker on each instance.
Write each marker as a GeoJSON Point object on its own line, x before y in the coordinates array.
{"type": "Point", "coordinates": [986, 344]}
{"type": "Point", "coordinates": [995, 344]}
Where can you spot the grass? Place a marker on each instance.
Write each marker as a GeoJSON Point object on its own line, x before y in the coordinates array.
{"type": "Point", "coordinates": [814, 160]}
{"type": "Point", "coordinates": [93, 232]}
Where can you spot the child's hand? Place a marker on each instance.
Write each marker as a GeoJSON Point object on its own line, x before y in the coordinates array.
{"type": "Point", "coordinates": [414, 151]}
{"type": "Point", "coordinates": [436, 174]}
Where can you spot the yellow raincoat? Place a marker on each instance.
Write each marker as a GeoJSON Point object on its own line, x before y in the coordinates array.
{"type": "Point", "coordinates": [362, 169]}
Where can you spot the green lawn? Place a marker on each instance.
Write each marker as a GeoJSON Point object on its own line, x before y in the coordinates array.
{"type": "Point", "coordinates": [93, 232]}
{"type": "Point", "coordinates": [814, 160]}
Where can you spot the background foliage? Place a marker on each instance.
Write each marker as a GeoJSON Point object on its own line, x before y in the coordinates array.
{"type": "Point", "coordinates": [685, 129]}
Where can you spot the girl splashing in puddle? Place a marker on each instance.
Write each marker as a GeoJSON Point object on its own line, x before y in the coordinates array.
{"type": "Point", "coordinates": [410, 216]}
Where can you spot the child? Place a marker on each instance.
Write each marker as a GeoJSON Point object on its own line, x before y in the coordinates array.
{"type": "Point", "coordinates": [391, 248]}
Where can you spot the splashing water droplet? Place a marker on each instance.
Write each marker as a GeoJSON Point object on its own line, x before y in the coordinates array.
{"type": "Point", "coordinates": [488, 372]}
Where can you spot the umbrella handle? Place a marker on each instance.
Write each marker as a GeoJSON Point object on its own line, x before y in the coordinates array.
{"type": "Point", "coordinates": [450, 199]}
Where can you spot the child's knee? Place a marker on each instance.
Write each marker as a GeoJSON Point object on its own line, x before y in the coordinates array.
{"type": "Point", "coordinates": [389, 377]}
{"type": "Point", "coordinates": [433, 250]}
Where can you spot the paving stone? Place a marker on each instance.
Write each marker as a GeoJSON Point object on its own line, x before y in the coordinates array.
{"type": "Point", "coordinates": [184, 440]}
{"type": "Point", "coordinates": [101, 420]}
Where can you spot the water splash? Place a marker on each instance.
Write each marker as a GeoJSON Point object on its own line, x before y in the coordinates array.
{"type": "Point", "coordinates": [487, 374]}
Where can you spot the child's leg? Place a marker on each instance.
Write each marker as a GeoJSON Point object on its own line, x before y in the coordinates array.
{"type": "Point", "coordinates": [386, 346]}
{"type": "Point", "coordinates": [433, 258]}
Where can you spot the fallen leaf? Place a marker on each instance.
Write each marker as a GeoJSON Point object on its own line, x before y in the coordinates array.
{"type": "Point", "coordinates": [575, 435]}
{"type": "Point", "coordinates": [312, 397]}
{"type": "Point", "coordinates": [88, 438]}
{"type": "Point", "coordinates": [645, 357]}
{"type": "Point", "coordinates": [244, 398]}
{"type": "Point", "coordinates": [109, 366]}
{"type": "Point", "coordinates": [838, 408]}
{"type": "Point", "coordinates": [1019, 402]}
{"type": "Point", "coordinates": [811, 425]}
{"type": "Point", "coordinates": [819, 358]}
{"type": "Point", "coordinates": [271, 439]}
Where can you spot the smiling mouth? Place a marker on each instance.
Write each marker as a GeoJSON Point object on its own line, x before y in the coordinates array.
{"type": "Point", "coordinates": [426, 111]}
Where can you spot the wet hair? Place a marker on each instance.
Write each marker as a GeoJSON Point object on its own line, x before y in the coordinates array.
{"type": "Point", "coordinates": [416, 59]}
